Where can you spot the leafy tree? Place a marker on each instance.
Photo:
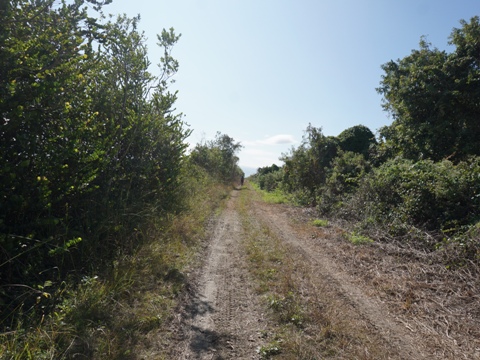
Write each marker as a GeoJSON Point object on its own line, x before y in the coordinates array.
{"type": "Point", "coordinates": [306, 168]}
{"type": "Point", "coordinates": [357, 139]}
{"type": "Point", "coordinates": [433, 98]}
{"type": "Point", "coordinates": [48, 158]}
{"type": "Point", "coordinates": [269, 177]}
{"type": "Point", "coordinates": [219, 157]}
{"type": "Point", "coordinates": [145, 141]}
{"type": "Point", "coordinates": [89, 143]}
{"type": "Point", "coordinates": [267, 169]}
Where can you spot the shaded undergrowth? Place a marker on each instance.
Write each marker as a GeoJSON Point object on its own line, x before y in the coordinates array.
{"type": "Point", "coordinates": [124, 312]}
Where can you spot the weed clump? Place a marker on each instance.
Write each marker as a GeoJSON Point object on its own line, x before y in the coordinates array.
{"type": "Point", "coordinates": [320, 222]}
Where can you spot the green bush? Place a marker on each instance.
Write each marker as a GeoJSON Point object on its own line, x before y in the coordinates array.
{"type": "Point", "coordinates": [426, 194]}
{"type": "Point", "coordinates": [91, 149]}
{"type": "Point", "coordinates": [357, 139]}
{"type": "Point", "coordinates": [219, 157]}
{"type": "Point", "coordinates": [320, 222]}
{"type": "Point", "coordinates": [357, 239]}
{"type": "Point", "coordinates": [347, 170]}
{"type": "Point", "coordinates": [270, 181]}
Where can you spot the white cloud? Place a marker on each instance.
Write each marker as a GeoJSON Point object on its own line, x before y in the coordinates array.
{"type": "Point", "coordinates": [281, 139]}
{"type": "Point", "coordinates": [255, 157]}
{"type": "Point", "coordinates": [260, 153]}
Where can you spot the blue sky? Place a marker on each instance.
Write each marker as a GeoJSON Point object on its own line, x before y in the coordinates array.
{"type": "Point", "coordinates": [262, 70]}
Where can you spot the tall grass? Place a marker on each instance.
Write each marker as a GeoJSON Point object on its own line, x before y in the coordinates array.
{"type": "Point", "coordinates": [276, 196]}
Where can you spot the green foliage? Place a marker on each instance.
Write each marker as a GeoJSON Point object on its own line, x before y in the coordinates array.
{"type": "Point", "coordinates": [107, 316]}
{"type": "Point", "coordinates": [268, 178]}
{"type": "Point", "coordinates": [276, 196]}
{"type": "Point", "coordinates": [321, 170]}
{"type": "Point", "coordinates": [358, 139]}
{"type": "Point", "coordinates": [320, 222]}
{"type": "Point", "coordinates": [433, 98]}
{"type": "Point", "coordinates": [307, 167]}
{"type": "Point", "coordinates": [270, 181]}
{"type": "Point", "coordinates": [348, 168]}
{"type": "Point", "coordinates": [219, 157]}
{"type": "Point", "coordinates": [268, 169]}
{"type": "Point", "coordinates": [431, 195]}
{"type": "Point", "coordinates": [347, 171]}
{"type": "Point", "coordinates": [357, 239]}
{"type": "Point", "coordinates": [90, 147]}
{"type": "Point", "coordinates": [420, 183]}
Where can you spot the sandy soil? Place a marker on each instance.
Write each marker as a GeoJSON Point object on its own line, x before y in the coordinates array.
{"type": "Point", "coordinates": [409, 308]}
{"type": "Point", "coordinates": [224, 318]}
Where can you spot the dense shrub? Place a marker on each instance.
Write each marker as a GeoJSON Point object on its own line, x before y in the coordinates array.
{"type": "Point", "coordinates": [427, 194]}
{"type": "Point", "coordinates": [219, 157]}
{"type": "Point", "coordinates": [270, 181]}
{"type": "Point", "coordinates": [358, 139]}
{"type": "Point", "coordinates": [347, 170]}
{"type": "Point", "coordinates": [90, 146]}
{"type": "Point", "coordinates": [307, 167]}
{"type": "Point", "coordinates": [268, 178]}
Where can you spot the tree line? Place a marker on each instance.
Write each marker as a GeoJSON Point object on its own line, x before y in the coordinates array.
{"type": "Point", "coordinates": [91, 147]}
{"type": "Point", "coordinates": [421, 173]}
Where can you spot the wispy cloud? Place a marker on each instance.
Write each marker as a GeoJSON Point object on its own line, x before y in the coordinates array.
{"type": "Point", "coordinates": [281, 139]}
{"type": "Point", "coordinates": [265, 152]}
{"type": "Point", "coordinates": [259, 153]}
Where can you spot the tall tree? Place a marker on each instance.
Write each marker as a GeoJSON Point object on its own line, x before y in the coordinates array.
{"type": "Point", "coordinates": [219, 157]}
{"type": "Point", "coordinates": [47, 124]}
{"type": "Point", "coordinates": [89, 142]}
{"type": "Point", "coordinates": [433, 99]}
{"type": "Point", "coordinates": [307, 167]}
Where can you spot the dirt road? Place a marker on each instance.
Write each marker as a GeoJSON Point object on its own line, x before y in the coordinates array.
{"type": "Point", "coordinates": [226, 319]}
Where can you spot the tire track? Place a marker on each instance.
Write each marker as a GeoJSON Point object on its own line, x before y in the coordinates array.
{"type": "Point", "coordinates": [363, 308]}
{"type": "Point", "coordinates": [225, 319]}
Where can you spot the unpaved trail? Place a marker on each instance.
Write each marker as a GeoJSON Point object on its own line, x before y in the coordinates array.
{"type": "Point", "coordinates": [357, 305]}
{"type": "Point", "coordinates": [225, 319]}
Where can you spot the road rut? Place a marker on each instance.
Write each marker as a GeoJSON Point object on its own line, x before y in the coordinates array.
{"type": "Point", "coordinates": [226, 319]}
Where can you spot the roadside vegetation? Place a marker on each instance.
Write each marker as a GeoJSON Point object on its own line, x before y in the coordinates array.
{"type": "Point", "coordinates": [101, 206]}
{"type": "Point", "coordinates": [417, 182]}
{"type": "Point", "coordinates": [273, 197]}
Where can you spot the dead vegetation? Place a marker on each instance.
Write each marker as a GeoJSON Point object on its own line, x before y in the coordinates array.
{"type": "Point", "coordinates": [314, 319]}
{"type": "Point", "coordinates": [433, 301]}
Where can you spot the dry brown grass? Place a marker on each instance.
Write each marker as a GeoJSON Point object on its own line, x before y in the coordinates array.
{"type": "Point", "coordinates": [312, 322]}
{"type": "Point", "coordinates": [429, 297]}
